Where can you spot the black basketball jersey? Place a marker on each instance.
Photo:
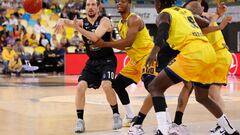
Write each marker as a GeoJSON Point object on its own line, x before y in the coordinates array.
{"type": "Point", "coordinates": [96, 52]}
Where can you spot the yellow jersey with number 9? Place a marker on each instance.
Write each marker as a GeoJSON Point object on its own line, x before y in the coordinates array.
{"type": "Point", "coordinates": [183, 28]}
{"type": "Point", "coordinates": [141, 46]}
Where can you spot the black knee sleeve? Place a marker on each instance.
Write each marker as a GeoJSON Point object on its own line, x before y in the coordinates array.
{"type": "Point", "coordinates": [119, 85]}
{"type": "Point", "coordinates": [147, 78]}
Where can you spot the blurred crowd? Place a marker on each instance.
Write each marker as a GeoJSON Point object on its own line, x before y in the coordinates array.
{"type": "Point", "coordinates": [19, 45]}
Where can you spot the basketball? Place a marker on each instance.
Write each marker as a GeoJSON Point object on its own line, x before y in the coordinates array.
{"type": "Point", "coordinates": [32, 6]}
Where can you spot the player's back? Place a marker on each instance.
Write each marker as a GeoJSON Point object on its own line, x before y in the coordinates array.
{"type": "Point", "coordinates": [186, 36]}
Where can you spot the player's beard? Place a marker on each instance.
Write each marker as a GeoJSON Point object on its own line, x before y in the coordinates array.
{"type": "Point", "coordinates": [92, 15]}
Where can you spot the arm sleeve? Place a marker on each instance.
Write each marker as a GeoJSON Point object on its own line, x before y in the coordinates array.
{"type": "Point", "coordinates": [162, 35]}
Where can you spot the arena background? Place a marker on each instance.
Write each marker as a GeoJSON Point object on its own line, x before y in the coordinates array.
{"type": "Point", "coordinates": [41, 100]}
{"type": "Point", "coordinates": [50, 14]}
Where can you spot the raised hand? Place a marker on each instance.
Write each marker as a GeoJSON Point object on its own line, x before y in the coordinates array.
{"type": "Point", "coordinates": [221, 9]}
{"type": "Point", "coordinates": [59, 26]}
{"type": "Point", "coordinates": [75, 22]}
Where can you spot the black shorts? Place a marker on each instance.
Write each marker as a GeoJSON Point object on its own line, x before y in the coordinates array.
{"type": "Point", "coordinates": [165, 56]}
{"type": "Point", "coordinates": [96, 71]}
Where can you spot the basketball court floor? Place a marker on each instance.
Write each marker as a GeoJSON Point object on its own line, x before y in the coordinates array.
{"type": "Point", "coordinates": [44, 105]}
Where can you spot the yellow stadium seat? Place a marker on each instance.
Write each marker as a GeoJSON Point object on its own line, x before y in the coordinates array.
{"type": "Point", "coordinates": [69, 32]}
{"type": "Point", "coordinates": [69, 36]}
{"type": "Point", "coordinates": [69, 29]}
{"type": "Point", "coordinates": [44, 22]}
{"type": "Point", "coordinates": [48, 11]}
{"type": "Point", "coordinates": [21, 11]}
{"type": "Point", "coordinates": [39, 50]}
{"type": "Point", "coordinates": [8, 15]}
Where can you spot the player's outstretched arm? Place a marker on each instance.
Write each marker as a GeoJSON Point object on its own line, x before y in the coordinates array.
{"type": "Point", "coordinates": [220, 11]}
{"type": "Point", "coordinates": [202, 22]}
{"type": "Point", "coordinates": [66, 22]}
{"type": "Point", "coordinates": [134, 25]}
{"type": "Point", "coordinates": [104, 26]}
{"type": "Point", "coordinates": [223, 24]}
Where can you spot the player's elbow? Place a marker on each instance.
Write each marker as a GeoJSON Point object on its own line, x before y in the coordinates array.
{"type": "Point", "coordinates": [128, 42]}
{"type": "Point", "coordinates": [95, 38]}
{"type": "Point", "coordinates": [205, 31]}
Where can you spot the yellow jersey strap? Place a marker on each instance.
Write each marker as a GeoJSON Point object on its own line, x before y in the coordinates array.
{"type": "Point", "coordinates": [131, 13]}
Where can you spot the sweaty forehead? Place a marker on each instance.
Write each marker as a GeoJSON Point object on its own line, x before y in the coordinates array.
{"type": "Point", "coordinates": [91, 1]}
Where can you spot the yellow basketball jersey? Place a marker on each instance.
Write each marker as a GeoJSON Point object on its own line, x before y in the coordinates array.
{"type": "Point", "coordinates": [216, 39]}
{"type": "Point", "coordinates": [142, 45]}
{"type": "Point", "coordinates": [183, 28]}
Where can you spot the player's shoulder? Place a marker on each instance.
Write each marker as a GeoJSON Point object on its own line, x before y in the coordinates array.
{"type": "Point", "coordinates": [105, 19]}
{"type": "Point", "coordinates": [134, 16]}
{"type": "Point", "coordinates": [135, 19]}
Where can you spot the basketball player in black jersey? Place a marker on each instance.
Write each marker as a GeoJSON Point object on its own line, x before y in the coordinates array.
{"type": "Point", "coordinates": [101, 67]}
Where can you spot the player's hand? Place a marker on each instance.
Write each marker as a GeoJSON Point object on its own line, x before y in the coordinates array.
{"type": "Point", "coordinates": [59, 26]}
{"type": "Point", "coordinates": [221, 9]}
{"type": "Point", "coordinates": [75, 22]}
{"type": "Point", "coordinates": [226, 20]}
{"type": "Point", "coordinates": [150, 60]}
{"type": "Point", "coordinates": [100, 43]}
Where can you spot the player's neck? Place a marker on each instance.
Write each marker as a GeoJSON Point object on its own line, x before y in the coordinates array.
{"type": "Point", "coordinates": [93, 19]}
{"type": "Point", "coordinates": [125, 15]}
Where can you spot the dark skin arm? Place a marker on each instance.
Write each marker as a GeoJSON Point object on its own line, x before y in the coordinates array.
{"type": "Point", "coordinates": [152, 56]}
{"type": "Point", "coordinates": [161, 18]}
{"type": "Point", "coordinates": [202, 22]}
{"type": "Point", "coordinates": [134, 25]}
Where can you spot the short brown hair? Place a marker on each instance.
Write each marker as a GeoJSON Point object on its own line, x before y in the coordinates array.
{"type": "Point", "coordinates": [98, 2]}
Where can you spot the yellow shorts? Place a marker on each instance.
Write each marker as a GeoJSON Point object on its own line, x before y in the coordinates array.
{"type": "Point", "coordinates": [195, 65]}
{"type": "Point", "coordinates": [222, 66]}
{"type": "Point", "coordinates": [133, 70]}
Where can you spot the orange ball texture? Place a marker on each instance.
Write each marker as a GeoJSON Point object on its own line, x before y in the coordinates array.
{"type": "Point", "coordinates": [32, 6]}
